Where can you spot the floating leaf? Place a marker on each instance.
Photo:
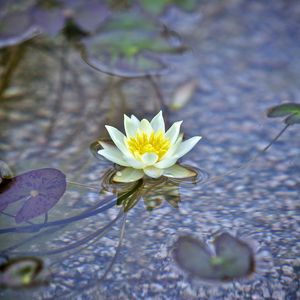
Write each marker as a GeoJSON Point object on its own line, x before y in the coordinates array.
{"type": "Point", "coordinates": [237, 257]}
{"type": "Point", "coordinates": [293, 119]}
{"type": "Point", "coordinates": [193, 256]}
{"type": "Point", "coordinates": [50, 21]}
{"type": "Point", "coordinates": [87, 15]}
{"type": "Point", "coordinates": [232, 259]}
{"type": "Point", "coordinates": [282, 110]}
{"type": "Point", "coordinates": [15, 28]}
{"type": "Point", "coordinates": [157, 7]}
{"type": "Point", "coordinates": [291, 110]}
{"type": "Point", "coordinates": [20, 272]}
{"type": "Point", "coordinates": [41, 189]}
{"type": "Point", "coordinates": [91, 15]}
{"type": "Point", "coordinates": [129, 46]}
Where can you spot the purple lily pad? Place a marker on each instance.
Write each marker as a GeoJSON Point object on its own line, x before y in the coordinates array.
{"type": "Point", "coordinates": [16, 27]}
{"type": "Point", "coordinates": [41, 189]}
{"type": "Point", "coordinates": [87, 15]}
{"type": "Point", "coordinates": [50, 21]}
{"type": "Point", "coordinates": [90, 16]}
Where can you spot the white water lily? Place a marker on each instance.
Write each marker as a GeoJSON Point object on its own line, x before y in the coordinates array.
{"type": "Point", "coordinates": [147, 149]}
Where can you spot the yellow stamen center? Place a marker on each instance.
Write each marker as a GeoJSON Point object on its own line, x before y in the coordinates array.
{"type": "Point", "coordinates": [142, 143]}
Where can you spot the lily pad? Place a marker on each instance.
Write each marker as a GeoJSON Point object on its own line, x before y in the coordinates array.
{"type": "Point", "coordinates": [15, 28]}
{"type": "Point", "coordinates": [40, 189]}
{"type": "Point", "coordinates": [86, 15]}
{"type": "Point", "coordinates": [232, 258]}
{"type": "Point", "coordinates": [157, 7]}
{"type": "Point", "coordinates": [20, 272]}
{"type": "Point", "coordinates": [291, 110]}
{"type": "Point", "coordinates": [50, 21]}
{"type": "Point", "coordinates": [129, 46]}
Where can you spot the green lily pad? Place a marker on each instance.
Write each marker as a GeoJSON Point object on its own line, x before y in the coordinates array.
{"type": "Point", "coordinates": [157, 7]}
{"type": "Point", "coordinates": [20, 272]}
{"type": "Point", "coordinates": [130, 45]}
{"type": "Point", "coordinates": [291, 110]}
{"type": "Point", "coordinates": [231, 259]}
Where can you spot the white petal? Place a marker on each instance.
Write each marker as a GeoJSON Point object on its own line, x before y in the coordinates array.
{"type": "Point", "coordinates": [149, 158]}
{"type": "Point", "coordinates": [166, 163]}
{"type": "Point", "coordinates": [153, 172]}
{"type": "Point", "coordinates": [118, 138]}
{"type": "Point", "coordinates": [135, 120]}
{"type": "Point", "coordinates": [128, 175]}
{"type": "Point", "coordinates": [106, 145]}
{"type": "Point", "coordinates": [145, 127]}
{"type": "Point", "coordinates": [130, 126]}
{"type": "Point", "coordinates": [177, 171]}
{"type": "Point", "coordinates": [114, 155]}
{"type": "Point", "coordinates": [187, 145]}
{"type": "Point", "coordinates": [173, 132]}
{"type": "Point", "coordinates": [132, 162]}
{"type": "Point", "coordinates": [173, 147]}
{"type": "Point", "coordinates": [158, 122]}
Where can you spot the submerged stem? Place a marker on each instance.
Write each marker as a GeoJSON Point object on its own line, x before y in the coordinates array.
{"type": "Point", "coordinates": [276, 138]}
{"type": "Point", "coordinates": [159, 95]}
{"type": "Point", "coordinates": [82, 185]}
{"type": "Point", "coordinates": [97, 234]}
{"type": "Point", "coordinates": [249, 162]}
{"type": "Point", "coordinates": [121, 237]}
{"type": "Point", "coordinates": [16, 54]}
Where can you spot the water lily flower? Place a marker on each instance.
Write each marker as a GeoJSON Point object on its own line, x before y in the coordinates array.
{"type": "Point", "coordinates": [147, 149]}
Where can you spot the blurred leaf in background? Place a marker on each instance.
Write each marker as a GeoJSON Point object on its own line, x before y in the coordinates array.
{"type": "Point", "coordinates": [231, 259]}
{"type": "Point", "coordinates": [130, 45]}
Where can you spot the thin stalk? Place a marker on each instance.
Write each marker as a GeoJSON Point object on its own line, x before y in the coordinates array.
{"type": "Point", "coordinates": [59, 94]}
{"type": "Point", "coordinates": [16, 53]}
{"type": "Point", "coordinates": [99, 233]}
{"type": "Point", "coordinates": [88, 243]}
{"type": "Point", "coordinates": [83, 185]}
{"type": "Point", "coordinates": [249, 162]}
{"type": "Point", "coordinates": [275, 138]}
{"type": "Point", "coordinates": [159, 95]}
{"type": "Point", "coordinates": [86, 214]}
{"type": "Point", "coordinates": [121, 237]}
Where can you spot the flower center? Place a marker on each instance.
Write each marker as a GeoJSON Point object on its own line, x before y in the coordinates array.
{"type": "Point", "coordinates": [142, 143]}
{"type": "Point", "coordinates": [34, 193]}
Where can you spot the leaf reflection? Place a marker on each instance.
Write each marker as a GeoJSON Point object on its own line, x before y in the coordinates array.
{"type": "Point", "coordinates": [153, 191]}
